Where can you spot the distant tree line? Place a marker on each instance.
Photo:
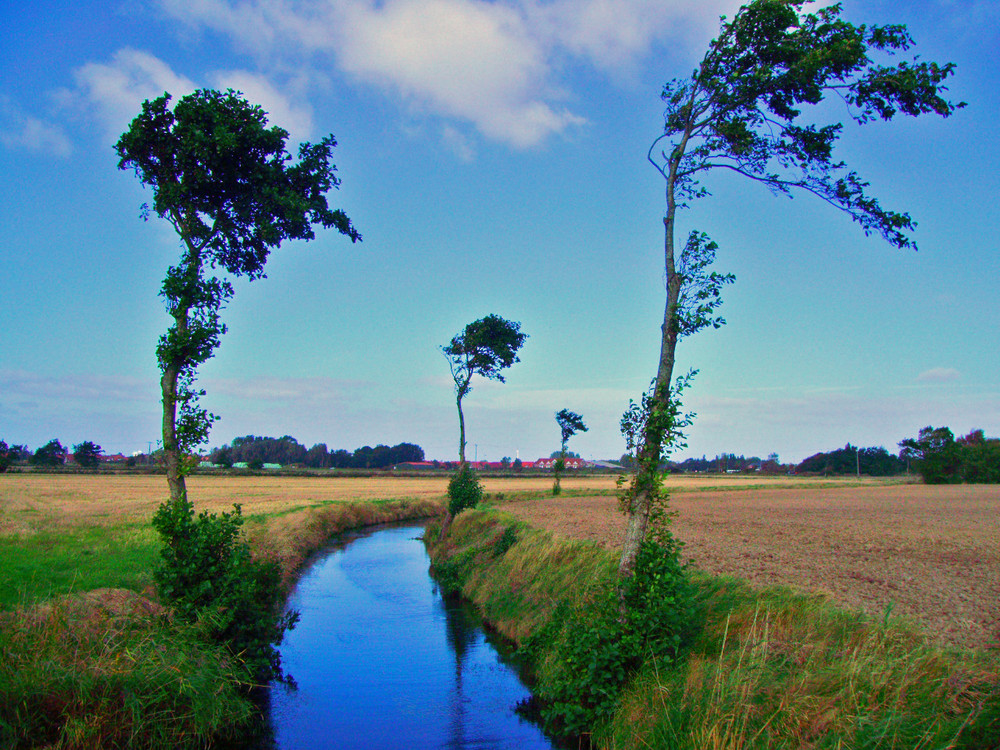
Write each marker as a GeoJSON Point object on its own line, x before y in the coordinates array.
{"type": "Point", "coordinates": [287, 451]}
{"type": "Point", "coordinates": [86, 454]}
{"type": "Point", "coordinates": [941, 459]}
{"type": "Point", "coordinates": [872, 462]}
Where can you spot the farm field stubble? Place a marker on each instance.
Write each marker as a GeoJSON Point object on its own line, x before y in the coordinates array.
{"type": "Point", "coordinates": [929, 553]}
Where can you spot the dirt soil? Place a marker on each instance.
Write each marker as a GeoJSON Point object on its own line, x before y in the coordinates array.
{"type": "Point", "coordinates": [931, 553]}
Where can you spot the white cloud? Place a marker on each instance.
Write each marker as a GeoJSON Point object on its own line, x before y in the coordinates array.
{"type": "Point", "coordinates": [614, 34]}
{"type": "Point", "coordinates": [114, 91]}
{"type": "Point", "coordinates": [21, 131]}
{"type": "Point", "coordinates": [492, 63]}
{"type": "Point", "coordinates": [294, 117]}
{"type": "Point", "coordinates": [474, 61]}
{"type": "Point", "coordinates": [939, 375]}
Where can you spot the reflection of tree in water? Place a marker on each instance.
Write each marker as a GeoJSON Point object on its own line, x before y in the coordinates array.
{"type": "Point", "coordinates": [461, 632]}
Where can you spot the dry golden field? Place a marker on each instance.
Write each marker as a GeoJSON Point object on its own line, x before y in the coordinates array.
{"type": "Point", "coordinates": [931, 553]}
{"type": "Point", "coordinates": [27, 500]}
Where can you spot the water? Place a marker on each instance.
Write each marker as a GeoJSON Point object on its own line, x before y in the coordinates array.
{"type": "Point", "coordinates": [381, 660]}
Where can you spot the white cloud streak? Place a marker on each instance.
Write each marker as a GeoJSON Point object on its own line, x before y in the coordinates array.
{"type": "Point", "coordinates": [493, 65]}
{"type": "Point", "coordinates": [939, 375]}
{"type": "Point", "coordinates": [22, 131]}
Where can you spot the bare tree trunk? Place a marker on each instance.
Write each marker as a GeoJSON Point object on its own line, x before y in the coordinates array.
{"type": "Point", "coordinates": [461, 432]}
{"type": "Point", "coordinates": [641, 506]}
{"type": "Point", "coordinates": [171, 454]}
{"type": "Point", "coordinates": [168, 387]}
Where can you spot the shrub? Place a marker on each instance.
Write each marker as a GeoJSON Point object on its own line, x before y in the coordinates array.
{"type": "Point", "coordinates": [594, 649]}
{"type": "Point", "coordinates": [209, 577]}
{"type": "Point", "coordinates": [464, 490]}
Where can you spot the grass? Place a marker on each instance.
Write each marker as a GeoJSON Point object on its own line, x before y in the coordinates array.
{"type": "Point", "coordinates": [81, 668]}
{"type": "Point", "coordinates": [769, 668]}
{"type": "Point", "coordinates": [51, 563]}
{"type": "Point", "coordinates": [74, 675]}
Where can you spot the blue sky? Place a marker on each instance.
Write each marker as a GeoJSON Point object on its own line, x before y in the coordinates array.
{"type": "Point", "coordinates": [493, 156]}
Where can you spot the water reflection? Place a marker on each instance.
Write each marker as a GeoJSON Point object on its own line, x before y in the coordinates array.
{"type": "Point", "coordinates": [381, 660]}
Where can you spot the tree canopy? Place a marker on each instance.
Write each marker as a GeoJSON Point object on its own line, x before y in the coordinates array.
{"type": "Point", "coordinates": [941, 459]}
{"type": "Point", "coordinates": [88, 454]}
{"type": "Point", "coordinates": [224, 180]}
{"type": "Point", "coordinates": [53, 453]}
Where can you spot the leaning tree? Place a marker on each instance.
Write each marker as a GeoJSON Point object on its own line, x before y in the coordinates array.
{"type": "Point", "coordinates": [569, 423]}
{"type": "Point", "coordinates": [226, 183]}
{"type": "Point", "coordinates": [742, 111]}
{"type": "Point", "coordinates": [486, 347]}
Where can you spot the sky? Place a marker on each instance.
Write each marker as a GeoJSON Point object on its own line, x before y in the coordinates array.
{"type": "Point", "coordinates": [493, 156]}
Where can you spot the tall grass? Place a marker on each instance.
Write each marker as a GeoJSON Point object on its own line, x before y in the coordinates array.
{"type": "Point", "coordinates": [779, 669]}
{"type": "Point", "coordinates": [75, 674]}
{"type": "Point", "coordinates": [769, 669]}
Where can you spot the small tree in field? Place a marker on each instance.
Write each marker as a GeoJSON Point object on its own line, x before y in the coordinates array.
{"type": "Point", "coordinates": [569, 423]}
{"type": "Point", "coordinates": [486, 348]}
{"type": "Point", "coordinates": [225, 182]}
{"type": "Point", "coordinates": [741, 111]}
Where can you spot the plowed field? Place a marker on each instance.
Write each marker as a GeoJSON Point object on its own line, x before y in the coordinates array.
{"type": "Point", "coordinates": [932, 554]}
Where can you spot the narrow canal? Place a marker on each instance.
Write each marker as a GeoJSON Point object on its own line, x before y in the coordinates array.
{"type": "Point", "coordinates": [381, 660]}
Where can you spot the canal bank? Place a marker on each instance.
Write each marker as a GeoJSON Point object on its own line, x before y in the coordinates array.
{"type": "Point", "coordinates": [768, 668]}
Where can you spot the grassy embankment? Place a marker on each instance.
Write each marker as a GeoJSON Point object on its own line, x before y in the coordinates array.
{"type": "Point", "coordinates": [764, 669]}
{"type": "Point", "coordinates": [88, 658]}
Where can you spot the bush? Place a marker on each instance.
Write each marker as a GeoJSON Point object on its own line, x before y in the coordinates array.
{"type": "Point", "coordinates": [595, 649]}
{"type": "Point", "coordinates": [209, 577]}
{"type": "Point", "coordinates": [464, 490]}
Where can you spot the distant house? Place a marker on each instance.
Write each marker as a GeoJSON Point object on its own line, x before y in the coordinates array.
{"type": "Point", "coordinates": [415, 466]}
{"type": "Point", "coordinates": [571, 463]}
{"type": "Point", "coordinates": [112, 459]}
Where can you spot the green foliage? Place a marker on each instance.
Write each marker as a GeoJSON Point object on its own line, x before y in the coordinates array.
{"type": "Point", "coordinates": [486, 347]}
{"type": "Point", "coordinates": [595, 648]}
{"type": "Point", "coordinates": [741, 108]}
{"type": "Point", "coordinates": [208, 575]}
{"type": "Point", "coordinates": [940, 459]}
{"type": "Point", "coordinates": [464, 490]}
{"type": "Point", "coordinates": [874, 462]}
{"type": "Point", "coordinates": [6, 458]}
{"type": "Point", "coordinates": [506, 541]}
{"type": "Point", "coordinates": [53, 453]}
{"type": "Point", "coordinates": [569, 423]}
{"type": "Point", "coordinates": [87, 454]}
{"type": "Point", "coordinates": [700, 290]}
{"type": "Point", "coordinates": [227, 185]}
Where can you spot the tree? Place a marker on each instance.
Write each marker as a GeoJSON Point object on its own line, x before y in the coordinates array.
{"type": "Point", "coordinates": [935, 454]}
{"type": "Point", "coordinates": [87, 454]}
{"type": "Point", "coordinates": [225, 182]}
{"type": "Point", "coordinates": [486, 347]}
{"type": "Point", "coordinates": [53, 453]}
{"type": "Point", "coordinates": [569, 423]}
{"type": "Point", "coordinates": [739, 111]}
